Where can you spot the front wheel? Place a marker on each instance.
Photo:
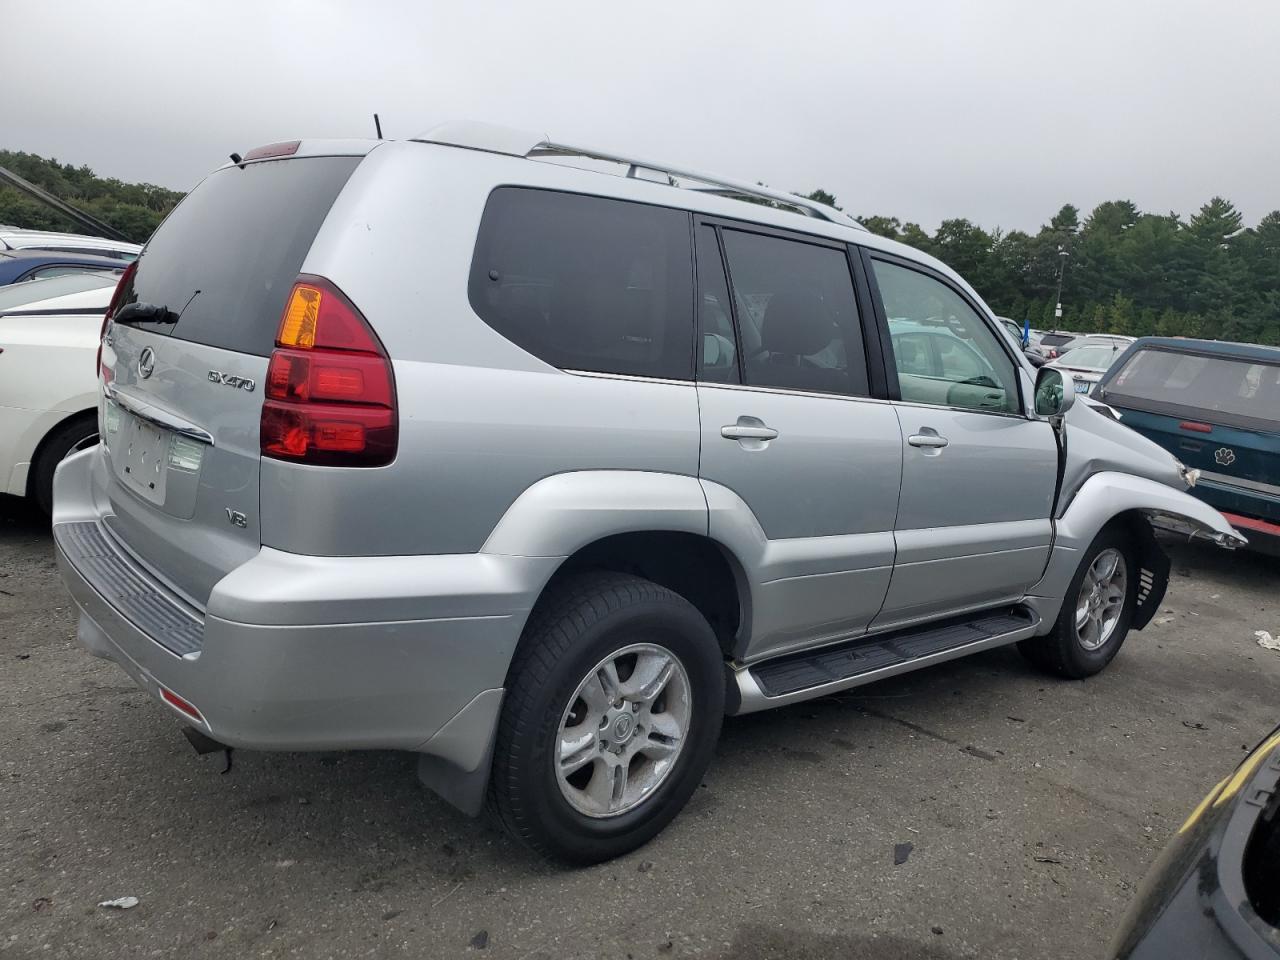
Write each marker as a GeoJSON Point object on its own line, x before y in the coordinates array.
{"type": "Point", "coordinates": [1096, 612]}
{"type": "Point", "coordinates": [613, 707]}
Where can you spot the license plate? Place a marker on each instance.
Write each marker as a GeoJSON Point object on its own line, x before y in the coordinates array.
{"type": "Point", "coordinates": [1083, 387]}
{"type": "Point", "coordinates": [143, 458]}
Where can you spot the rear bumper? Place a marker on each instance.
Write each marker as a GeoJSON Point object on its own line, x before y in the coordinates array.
{"type": "Point", "coordinates": [312, 653]}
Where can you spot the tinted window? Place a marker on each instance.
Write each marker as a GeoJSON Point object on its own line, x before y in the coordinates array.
{"type": "Point", "coordinates": [973, 369]}
{"type": "Point", "coordinates": [718, 361]}
{"type": "Point", "coordinates": [587, 283]}
{"type": "Point", "coordinates": [226, 258]}
{"type": "Point", "coordinates": [1238, 388]}
{"type": "Point", "coordinates": [796, 313]}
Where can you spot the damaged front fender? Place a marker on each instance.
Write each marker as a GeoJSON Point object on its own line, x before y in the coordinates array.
{"type": "Point", "coordinates": [1108, 494]}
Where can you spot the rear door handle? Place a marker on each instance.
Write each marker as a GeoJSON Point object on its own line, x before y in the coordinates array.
{"type": "Point", "coordinates": [931, 440]}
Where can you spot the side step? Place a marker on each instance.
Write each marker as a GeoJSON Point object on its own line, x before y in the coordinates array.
{"type": "Point", "coordinates": [813, 673]}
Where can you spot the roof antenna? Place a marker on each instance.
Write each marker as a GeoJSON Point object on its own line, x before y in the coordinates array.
{"type": "Point", "coordinates": [237, 160]}
{"type": "Point", "coordinates": [377, 125]}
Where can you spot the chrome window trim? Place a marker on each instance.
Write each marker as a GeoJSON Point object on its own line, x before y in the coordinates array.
{"type": "Point", "coordinates": [782, 391]}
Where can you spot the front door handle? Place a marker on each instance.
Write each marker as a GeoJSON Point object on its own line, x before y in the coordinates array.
{"type": "Point", "coordinates": [742, 431]}
{"type": "Point", "coordinates": [930, 440]}
{"type": "Point", "coordinates": [751, 433]}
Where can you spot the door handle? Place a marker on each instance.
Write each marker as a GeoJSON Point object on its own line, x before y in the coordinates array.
{"type": "Point", "coordinates": [930, 440]}
{"type": "Point", "coordinates": [742, 431]}
{"type": "Point", "coordinates": [750, 432]}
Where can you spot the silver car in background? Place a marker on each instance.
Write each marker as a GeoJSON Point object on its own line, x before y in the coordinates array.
{"type": "Point", "coordinates": [1085, 360]}
{"type": "Point", "coordinates": [454, 447]}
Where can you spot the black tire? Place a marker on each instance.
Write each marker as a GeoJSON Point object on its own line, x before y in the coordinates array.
{"type": "Point", "coordinates": [1061, 651]}
{"type": "Point", "coordinates": [64, 440]}
{"type": "Point", "coordinates": [578, 624]}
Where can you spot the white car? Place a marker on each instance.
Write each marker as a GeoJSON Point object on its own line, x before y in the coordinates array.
{"type": "Point", "coordinates": [1085, 365]}
{"type": "Point", "coordinates": [16, 238]}
{"type": "Point", "coordinates": [49, 332]}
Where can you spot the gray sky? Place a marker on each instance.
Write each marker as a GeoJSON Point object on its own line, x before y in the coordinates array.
{"type": "Point", "coordinates": [999, 110]}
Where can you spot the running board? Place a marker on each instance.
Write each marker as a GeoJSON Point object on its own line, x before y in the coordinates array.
{"type": "Point", "coordinates": [800, 676]}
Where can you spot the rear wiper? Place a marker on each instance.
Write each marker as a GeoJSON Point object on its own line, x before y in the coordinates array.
{"type": "Point", "coordinates": [145, 313]}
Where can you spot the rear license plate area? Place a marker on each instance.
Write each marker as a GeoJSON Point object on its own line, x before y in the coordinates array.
{"type": "Point", "coordinates": [141, 458]}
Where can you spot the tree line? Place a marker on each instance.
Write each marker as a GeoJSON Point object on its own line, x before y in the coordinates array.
{"type": "Point", "coordinates": [135, 209]}
{"type": "Point", "coordinates": [1122, 270]}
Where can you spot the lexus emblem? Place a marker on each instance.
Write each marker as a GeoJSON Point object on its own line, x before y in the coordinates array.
{"type": "Point", "coordinates": [1225, 456]}
{"type": "Point", "coordinates": [146, 362]}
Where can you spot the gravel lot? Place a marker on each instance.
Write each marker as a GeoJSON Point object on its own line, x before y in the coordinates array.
{"type": "Point", "coordinates": [1034, 807]}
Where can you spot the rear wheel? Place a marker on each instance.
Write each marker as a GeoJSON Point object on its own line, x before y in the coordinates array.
{"type": "Point", "coordinates": [72, 437]}
{"type": "Point", "coordinates": [1096, 613]}
{"type": "Point", "coordinates": [613, 707]}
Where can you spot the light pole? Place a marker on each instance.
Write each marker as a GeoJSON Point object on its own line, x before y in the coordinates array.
{"type": "Point", "coordinates": [1062, 268]}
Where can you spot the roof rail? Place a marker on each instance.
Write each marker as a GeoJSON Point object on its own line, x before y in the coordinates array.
{"type": "Point", "coordinates": [522, 143]}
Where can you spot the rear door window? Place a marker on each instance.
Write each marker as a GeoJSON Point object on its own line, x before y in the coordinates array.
{"type": "Point", "coordinates": [1233, 392]}
{"type": "Point", "coordinates": [587, 283]}
{"type": "Point", "coordinates": [225, 260]}
{"type": "Point", "coordinates": [797, 314]}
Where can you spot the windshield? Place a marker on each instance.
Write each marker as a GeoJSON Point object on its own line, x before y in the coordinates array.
{"type": "Point", "coordinates": [1092, 358]}
{"type": "Point", "coordinates": [1204, 384]}
{"type": "Point", "coordinates": [32, 291]}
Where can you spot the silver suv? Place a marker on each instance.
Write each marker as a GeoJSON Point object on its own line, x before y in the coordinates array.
{"type": "Point", "coordinates": [537, 461]}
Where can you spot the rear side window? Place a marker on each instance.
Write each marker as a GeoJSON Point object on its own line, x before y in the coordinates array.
{"type": "Point", "coordinates": [797, 314]}
{"type": "Point", "coordinates": [225, 260]}
{"type": "Point", "coordinates": [587, 283]}
{"type": "Point", "coordinates": [1237, 392]}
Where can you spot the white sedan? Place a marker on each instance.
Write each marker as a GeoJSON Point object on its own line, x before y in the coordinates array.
{"type": "Point", "coordinates": [1086, 365]}
{"type": "Point", "coordinates": [49, 332]}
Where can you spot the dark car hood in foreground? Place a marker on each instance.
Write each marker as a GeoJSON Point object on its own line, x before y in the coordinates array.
{"type": "Point", "coordinates": [1215, 890]}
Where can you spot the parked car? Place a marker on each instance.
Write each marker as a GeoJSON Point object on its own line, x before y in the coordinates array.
{"type": "Point", "coordinates": [483, 502]}
{"type": "Point", "coordinates": [48, 388]}
{"type": "Point", "coordinates": [1114, 340]}
{"type": "Point", "coordinates": [16, 238]}
{"type": "Point", "coordinates": [1026, 344]}
{"type": "Point", "coordinates": [1052, 342]}
{"type": "Point", "coordinates": [1085, 365]}
{"type": "Point", "coordinates": [1215, 406]}
{"type": "Point", "coordinates": [20, 266]}
{"type": "Point", "coordinates": [21, 294]}
{"type": "Point", "coordinates": [1214, 893]}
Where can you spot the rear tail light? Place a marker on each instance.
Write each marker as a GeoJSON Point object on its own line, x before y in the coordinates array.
{"type": "Point", "coordinates": [122, 287]}
{"type": "Point", "coordinates": [331, 397]}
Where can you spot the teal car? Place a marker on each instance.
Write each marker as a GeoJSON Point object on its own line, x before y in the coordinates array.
{"type": "Point", "coordinates": [1216, 407]}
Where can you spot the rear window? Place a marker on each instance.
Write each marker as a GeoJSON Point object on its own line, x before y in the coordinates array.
{"type": "Point", "coordinates": [226, 258]}
{"type": "Point", "coordinates": [1233, 392]}
{"type": "Point", "coordinates": [587, 283]}
{"type": "Point", "coordinates": [1056, 339]}
{"type": "Point", "coordinates": [1092, 358]}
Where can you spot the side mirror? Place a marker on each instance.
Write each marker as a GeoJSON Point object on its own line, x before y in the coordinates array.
{"type": "Point", "coordinates": [1053, 396]}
